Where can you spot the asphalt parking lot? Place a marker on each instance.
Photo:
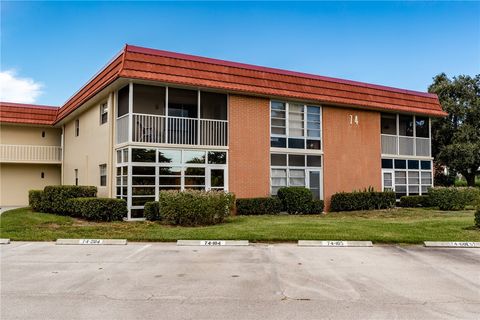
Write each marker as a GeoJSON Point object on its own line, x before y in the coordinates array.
{"type": "Point", "coordinates": [281, 281]}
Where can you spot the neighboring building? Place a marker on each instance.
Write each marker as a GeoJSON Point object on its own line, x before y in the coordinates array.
{"type": "Point", "coordinates": [153, 120]}
{"type": "Point", "coordinates": [30, 151]}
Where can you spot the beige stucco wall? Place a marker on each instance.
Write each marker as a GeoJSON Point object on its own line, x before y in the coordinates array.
{"type": "Point", "coordinates": [17, 179]}
{"type": "Point", "coordinates": [89, 150]}
{"type": "Point", "coordinates": [29, 135]}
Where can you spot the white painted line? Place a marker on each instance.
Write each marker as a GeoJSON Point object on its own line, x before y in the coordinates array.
{"type": "Point", "coordinates": [334, 243]}
{"type": "Point", "coordinates": [139, 250]}
{"type": "Point", "coordinates": [454, 244]}
{"type": "Point", "coordinates": [212, 243]}
{"type": "Point", "coordinates": [4, 241]}
{"type": "Point", "coordinates": [92, 241]}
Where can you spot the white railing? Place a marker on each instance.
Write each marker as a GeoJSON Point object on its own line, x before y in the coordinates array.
{"type": "Point", "coordinates": [405, 146]}
{"type": "Point", "coordinates": [213, 132]}
{"type": "Point", "coordinates": [182, 130]}
{"type": "Point", "coordinates": [423, 147]}
{"type": "Point", "coordinates": [173, 130]}
{"type": "Point", "coordinates": [27, 153]}
{"type": "Point", "coordinates": [122, 129]}
{"type": "Point", "coordinates": [389, 144]}
{"type": "Point", "coordinates": [147, 128]}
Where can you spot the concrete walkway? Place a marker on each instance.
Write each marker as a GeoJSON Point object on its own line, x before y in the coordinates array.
{"type": "Point", "coordinates": [282, 281]}
{"type": "Point", "coordinates": [3, 209]}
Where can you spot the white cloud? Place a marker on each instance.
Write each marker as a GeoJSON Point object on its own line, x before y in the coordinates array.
{"type": "Point", "coordinates": [16, 89]}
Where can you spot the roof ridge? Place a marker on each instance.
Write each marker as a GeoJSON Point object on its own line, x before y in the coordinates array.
{"type": "Point", "coordinates": [27, 105]}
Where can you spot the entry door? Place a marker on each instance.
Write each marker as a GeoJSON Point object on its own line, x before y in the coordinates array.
{"type": "Point", "coordinates": [217, 178]}
{"type": "Point", "coordinates": [314, 183]}
{"type": "Point", "coordinates": [387, 180]}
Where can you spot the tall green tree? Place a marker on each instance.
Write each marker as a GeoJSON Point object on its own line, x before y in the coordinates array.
{"type": "Point", "coordinates": [456, 138]}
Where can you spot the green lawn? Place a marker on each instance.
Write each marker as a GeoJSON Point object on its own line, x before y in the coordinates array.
{"type": "Point", "coordinates": [383, 226]}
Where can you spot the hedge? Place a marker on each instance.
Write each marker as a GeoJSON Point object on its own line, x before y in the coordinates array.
{"type": "Point", "coordinates": [316, 207]}
{"type": "Point", "coordinates": [453, 198]}
{"type": "Point", "coordinates": [414, 201]}
{"type": "Point", "coordinates": [259, 206]}
{"type": "Point", "coordinates": [295, 200]}
{"type": "Point", "coordinates": [55, 197]}
{"type": "Point", "coordinates": [362, 200]}
{"type": "Point", "coordinates": [152, 211]}
{"type": "Point", "coordinates": [97, 209]}
{"type": "Point", "coordinates": [193, 208]}
{"type": "Point", "coordinates": [35, 200]}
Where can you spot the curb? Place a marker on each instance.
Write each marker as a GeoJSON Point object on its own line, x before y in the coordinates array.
{"type": "Point", "coordinates": [454, 244]}
{"type": "Point", "coordinates": [91, 241]}
{"type": "Point", "coordinates": [333, 243]}
{"type": "Point", "coordinates": [212, 243]}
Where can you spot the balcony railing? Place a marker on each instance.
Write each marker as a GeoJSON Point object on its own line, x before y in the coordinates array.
{"type": "Point", "coordinates": [173, 130]}
{"type": "Point", "coordinates": [31, 154]}
{"type": "Point", "coordinates": [405, 146]}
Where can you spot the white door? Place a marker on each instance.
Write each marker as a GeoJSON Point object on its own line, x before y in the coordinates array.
{"type": "Point", "coordinates": [314, 183]}
{"type": "Point", "coordinates": [387, 180]}
{"type": "Point", "coordinates": [217, 178]}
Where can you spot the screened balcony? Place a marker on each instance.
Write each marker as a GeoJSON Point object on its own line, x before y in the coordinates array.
{"type": "Point", "coordinates": [405, 135]}
{"type": "Point", "coordinates": [166, 115]}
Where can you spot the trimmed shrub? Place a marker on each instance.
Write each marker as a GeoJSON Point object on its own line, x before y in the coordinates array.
{"type": "Point", "coordinates": [453, 198]}
{"type": "Point", "coordinates": [55, 197]}
{"type": "Point", "coordinates": [97, 209]}
{"type": "Point", "coordinates": [35, 200]}
{"type": "Point", "coordinates": [194, 208]}
{"type": "Point", "coordinates": [152, 211]}
{"type": "Point", "coordinates": [414, 201]}
{"type": "Point", "coordinates": [295, 200]}
{"type": "Point", "coordinates": [259, 206]}
{"type": "Point", "coordinates": [316, 207]}
{"type": "Point", "coordinates": [362, 200]}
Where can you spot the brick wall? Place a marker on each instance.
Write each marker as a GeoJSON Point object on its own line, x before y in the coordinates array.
{"type": "Point", "coordinates": [249, 146]}
{"type": "Point", "coordinates": [352, 159]}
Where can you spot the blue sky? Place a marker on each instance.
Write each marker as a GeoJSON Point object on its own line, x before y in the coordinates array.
{"type": "Point", "coordinates": [50, 49]}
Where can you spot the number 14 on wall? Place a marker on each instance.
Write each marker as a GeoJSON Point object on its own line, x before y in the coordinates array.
{"type": "Point", "coordinates": [353, 119]}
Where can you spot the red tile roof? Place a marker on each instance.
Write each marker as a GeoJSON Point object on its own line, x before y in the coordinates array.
{"type": "Point", "coordinates": [169, 67]}
{"type": "Point", "coordinates": [27, 113]}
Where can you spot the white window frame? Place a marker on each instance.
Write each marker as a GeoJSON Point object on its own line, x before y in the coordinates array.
{"type": "Point", "coordinates": [305, 168]}
{"type": "Point", "coordinates": [406, 170]}
{"type": "Point", "coordinates": [103, 111]}
{"type": "Point", "coordinates": [182, 165]}
{"type": "Point", "coordinates": [287, 136]}
{"type": "Point", "coordinates": [103, 173]}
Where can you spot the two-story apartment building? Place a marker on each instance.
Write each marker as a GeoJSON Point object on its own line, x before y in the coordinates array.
{"type": "Point", "coordinates": [153, 120]}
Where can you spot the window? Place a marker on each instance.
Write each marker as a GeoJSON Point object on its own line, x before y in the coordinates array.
{"type": "Point", "coordinates": [389, 123]}
{"type": "Point", "coordinates": [77, 127]}
{"type": "Point", "coordinates": [143, 155]}
{"type": "Point", "coordinates": [123, 98]}
{"type": "Point", "coordinates": [296, 170]}
{"type": "Point", "coordinates": [149, 99]}
{"type": "Point", "coordinates": [103, 113]}
{"type": "Point", "coordinates": [154, 170]}
{"type": "Point", "coordinates": [103, 175]}
{"type": "Point", "coordinates": [43, 134]}
{"type": "Point", "coordinates": [422, 127]}
{"type": "Point", "coordinates": [295, 125]}
{"type": "Point", "coordinates": [182, 103]}
{"type": "Point", "coordinates": [75, 171]}
{"type": "Point", "coordinates": [406, 176]}
{"type": "Point", "coordinates": [213, 105]}
{"type": "Point", "coordinates": [405, 125]}
{"type": "Point", "coordinates": [42, 175]}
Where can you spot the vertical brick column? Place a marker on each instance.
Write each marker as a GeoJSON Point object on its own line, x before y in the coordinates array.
{"type": "Point", "coordinates": [352, 159]}
{"type": "Point", "coordinates": [249, 146]}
